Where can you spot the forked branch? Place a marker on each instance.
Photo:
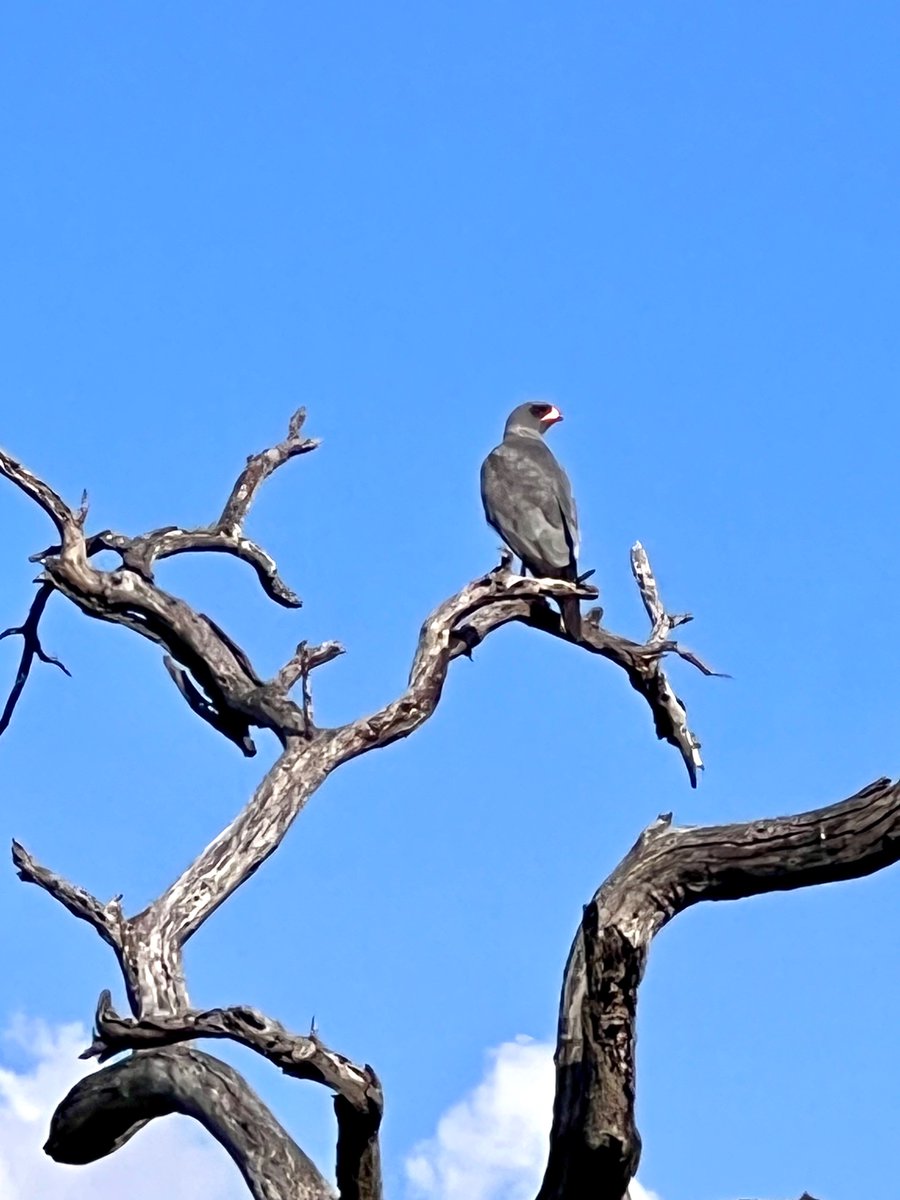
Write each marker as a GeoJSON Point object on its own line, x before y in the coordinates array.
{"type": "Point", "coordinates": [641, 661]}
{"type": "Point", "coordinates": [217, 679]}
{"type": "Point", "coordinates": [358, 1104]}
{"type": "Point", "coordinates": [300, 1056]}
{"type": "Point", "coordinates": [104, 1110]}
{"type": "Point", "coordinates": [226, 534]}
{"type": "Point", "coordinates": [31, 649]}
{"type": "Point", "coordinates": [212, 673]}
{"type": "Point", "coordinates": [220, 684]}
{"type": "Point", "coordinates": [305, 764]}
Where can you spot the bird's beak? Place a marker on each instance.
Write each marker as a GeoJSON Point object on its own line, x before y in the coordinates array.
{"type": "Point", "coordinates": [552, 416]}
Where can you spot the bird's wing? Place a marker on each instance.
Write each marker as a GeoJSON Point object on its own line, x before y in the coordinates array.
{"type": "Point", "coordinates": [528, 501]}
{"type": "Point", "coordinates": [568, 510]}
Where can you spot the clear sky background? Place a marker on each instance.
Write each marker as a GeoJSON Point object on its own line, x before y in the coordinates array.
{"type": "Point", "coordinates": [680, 223]}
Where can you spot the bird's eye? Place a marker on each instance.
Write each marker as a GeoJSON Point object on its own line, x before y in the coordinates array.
{"type": "Point", "coordinates": [540, 410]}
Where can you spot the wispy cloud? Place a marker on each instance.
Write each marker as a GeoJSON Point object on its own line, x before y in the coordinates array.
{"type": "Point", "coordinates": [172, 1157]}
{"type": "Point", "coordinates": [492, 1144]}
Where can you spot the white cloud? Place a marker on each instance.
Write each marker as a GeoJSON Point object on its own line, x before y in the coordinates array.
{"type": "Point", "coordinates": [171, 1157]}
{"type": "Point", "coordinates": [637, 1192]}
{"type": "Point", "coordinates": [492, 1144]}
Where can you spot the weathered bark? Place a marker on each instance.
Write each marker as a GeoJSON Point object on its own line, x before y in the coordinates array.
{"type": "Point", "coordinates": [641, 661]}
{"type": "Point", "coordinates": [301, 1056]}
{"type": "Point", "coordinates": [216, 677]}
{"type": "Point", "coordinates": [104, 1110]}
{"type": "Point", "coordinates": [107, 1108]}
{"type": "Point", "coordinates": [595, 1146]}
{"type": "Point", "coordinates": [594, 1142]}
{"type": "Point", "coordinates": [358, 1170]}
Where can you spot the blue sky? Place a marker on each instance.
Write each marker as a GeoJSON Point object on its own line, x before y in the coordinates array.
{"type": "Point", "coordinates": [677, 221]}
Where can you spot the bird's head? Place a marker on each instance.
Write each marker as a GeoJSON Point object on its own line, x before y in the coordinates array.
{"type": "Point", "coordinates": [532, 418]}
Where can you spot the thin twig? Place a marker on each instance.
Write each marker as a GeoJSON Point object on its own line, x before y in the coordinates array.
{"type": "Point", "coordinates": [31, 649]}
{"type": "Point", "coordinates": [307, 658]}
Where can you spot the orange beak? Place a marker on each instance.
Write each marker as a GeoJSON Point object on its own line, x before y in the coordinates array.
{"type": "Point", "coordinates": [552, 416]}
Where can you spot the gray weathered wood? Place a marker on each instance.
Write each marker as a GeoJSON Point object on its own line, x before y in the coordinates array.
{"type": "Point", "coordinates": [595, 1146]}
{"type": "Point", "coordinates": [594, 1142]}
{"type": "Point", "coordinates": [104, 1110]}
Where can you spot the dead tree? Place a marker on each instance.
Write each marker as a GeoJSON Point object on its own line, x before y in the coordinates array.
{"type": "Point", "coordinates": [594, 1145]}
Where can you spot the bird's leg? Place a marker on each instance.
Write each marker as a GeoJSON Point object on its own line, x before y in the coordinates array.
{"type": "Point", "coordinates": [506, 561]}
{"type": "Point", "coordinates": [523, 569]}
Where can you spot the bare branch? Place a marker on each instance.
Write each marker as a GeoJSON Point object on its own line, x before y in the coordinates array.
{"type": "Point", "coordinates": [296, 1055]}
{"type": "Point", "coordinates": [226, 535]}
{"type": "Point", "coordinates": [437, 647]}
{"type": "Point", "coordinates": [359, 1101]}
{"type": "Point", "coordinates": [107, 919]}
{"type": "Point", "coordinates": [228, 723]}
{"type": "Point", "coordinates": [107, 1108]}
{"type": "Point", "coordinates": [306, 762]}
{"type": "Point", "coordinates": [31, 649]}
{"type": "Point", "coordinates": [219, 683]}
{"type": "Point", "coordinates": [52, 504]}
{"type": "Point", "coordinates": [646, 581]}
{"type": "Point", "coordinates": [224, 689]}
{"type": "Point", "coordinates": [221, 668]}
{"type": "Point", "coordinates": [642, 662]}
{"type": "Point", "coordinates": [241, 848]}
{"type": "Point", "coordinates": [259, 467]}
{"type": "Point", "coordinates": [594, 1143]}
{"type": "Point", "coordinates": [305, 659]}
{"type": "Point", "coordinates": [140, 553]}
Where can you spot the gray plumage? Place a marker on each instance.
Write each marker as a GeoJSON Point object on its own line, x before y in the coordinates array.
{"type": "Point", "coordinates": [527, 498]}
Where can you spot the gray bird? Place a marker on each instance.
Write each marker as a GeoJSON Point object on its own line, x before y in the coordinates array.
{"type": "Point", "coordinates": [527, 498]}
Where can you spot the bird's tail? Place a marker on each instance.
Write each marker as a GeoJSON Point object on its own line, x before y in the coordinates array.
{"type": "Point", "coordinates": [570, 607]}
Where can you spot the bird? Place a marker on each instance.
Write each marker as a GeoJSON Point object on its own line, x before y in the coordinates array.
{"type": "Point", "coordinates": [527, 498]}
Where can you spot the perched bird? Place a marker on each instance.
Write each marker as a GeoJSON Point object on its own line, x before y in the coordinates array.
{"type": "Point", "coordinates": [527, 498]}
